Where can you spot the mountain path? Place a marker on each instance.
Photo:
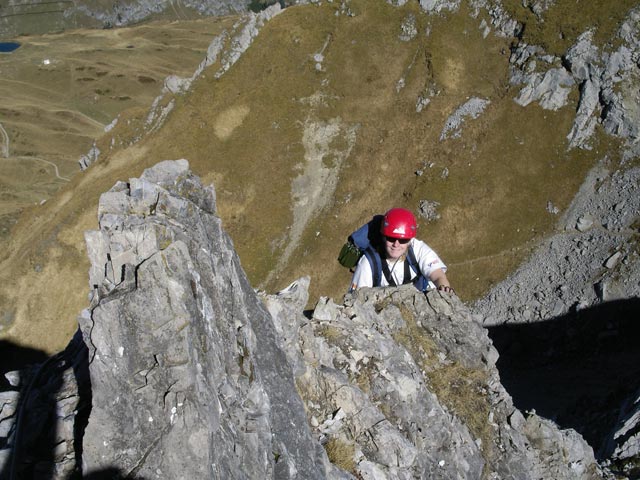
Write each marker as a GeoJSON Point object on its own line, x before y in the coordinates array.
{"type": "Point", "coordinates": [55, 167]}
{"type": "Point", "coordinates": [525, 246]}
{"type": "Point", "coordinates": [4, 151]}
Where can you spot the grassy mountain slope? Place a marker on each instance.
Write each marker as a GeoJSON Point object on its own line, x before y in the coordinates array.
{"type": "Point", "coordinates": [60, 91]}
{"type": "Point", "coordinates": [302, 154]}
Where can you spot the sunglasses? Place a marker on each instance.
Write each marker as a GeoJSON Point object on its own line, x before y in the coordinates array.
{"type": "Point", "coordinates": [401, 241]}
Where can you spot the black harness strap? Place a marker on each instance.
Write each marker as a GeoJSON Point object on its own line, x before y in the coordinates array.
{"type": "Point", "coordinates": [389, 277]}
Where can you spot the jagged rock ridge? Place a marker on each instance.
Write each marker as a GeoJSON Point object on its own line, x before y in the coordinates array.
{"type": "Point", "coordinates": [195, 376]}
{"type": "Point", "coordinates": [18, 16]}
{"type": "Point", "coordinates": [607, 80]}
{"type": "Point", "coordinates": [213, 393]}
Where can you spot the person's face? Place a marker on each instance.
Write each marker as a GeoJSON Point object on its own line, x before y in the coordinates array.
{"type": "Point", "coordinates": [395, 247]}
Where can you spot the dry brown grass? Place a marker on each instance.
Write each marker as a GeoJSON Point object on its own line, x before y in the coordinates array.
{"type": "Point", "coordinates": [565, 20]}
{"type": "Point", "coordinates": [59, 91]}
{"type": "Point", "coordinates": [245, 132]}
{"type": "Point", "coordinates": [341, 454]}
{"type": "Point", "coordinates": [508, 164]}
{"type": "Point", "coordinates": [461, 389]}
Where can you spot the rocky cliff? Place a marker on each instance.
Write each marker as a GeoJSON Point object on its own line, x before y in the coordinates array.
{"type": "Point", "coordinates": [32, 17]}
{"type": "Point", "coordinates": [182, 370]}
{"type": "Point", "coordinates": [567, 318]}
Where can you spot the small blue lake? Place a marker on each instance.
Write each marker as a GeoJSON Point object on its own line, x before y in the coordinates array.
{"type": "Point", "coordinates": [8, 47]}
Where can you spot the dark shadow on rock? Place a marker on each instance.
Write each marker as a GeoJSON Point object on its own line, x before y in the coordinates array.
{"type": "Point", "coordinates": [577, 369]}
{"type": "Point", "coordinates": [77, 354]}
{"type": "Point", "coordinates": [23, 359]}
{"type": "Point", "coordinates": [35, 436]}
{"type": "Point", "coordinates": [112, 473]}
{"type": "Point", "coordinates": [14, 357]}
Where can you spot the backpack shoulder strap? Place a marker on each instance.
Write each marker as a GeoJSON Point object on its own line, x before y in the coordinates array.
{"type": "Point", "coordinates": [420, 281]}
{"type": "Point", "coordinates": [367, 239]}
{"type": "Point", "coordinates": [376, 265]}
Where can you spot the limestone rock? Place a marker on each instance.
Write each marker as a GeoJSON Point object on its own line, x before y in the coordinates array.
{"type": "Point", "coordinates": [584, 223]}
{"type": "Point", "coordinates": [90, 157]}
{"type": "Point", "coordinates": [612, 260]}
{"type": "Point", "coordinates": [247, 33]}
{"type": "Point", "coordinates": [472, 108]}
{"type": "Point", "coordinates": [428, 210]}
{"type": "Point", "coordinates": [408, 30]}
{"type": "Point", "coordinates": [175, 84]}
{"type": "Point", "coordinates": [398, 368]}
{"type": "Point", "coordinates": [38, 423]}
{"type": "Point", "coordinates": [620, 84]}
{"type": "Point", "coordinates": [563, 451]}
{"type": "Point", "coordinates": [583, 57]}
{"type": "Point", "coordinates": [551, 208]}
{"type": "Point", "coordinates": [583, 60]}
{"type": "Point", "coordinates": [538, 7]}
{"type": "Point", "coordinates": [607, 80]}
{"type": "Point", "coordinates": [504, 25]}
{"type": "Point", "coordinates": [550, 89]}
{"type": "Point", "coordinates": [438, 6]}
{"type": "Point", "coordinates": [623, 443]}
{"type": "Point", "coordinates": [181, 348]}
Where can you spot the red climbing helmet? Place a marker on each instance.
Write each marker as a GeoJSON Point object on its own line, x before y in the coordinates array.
{"type": "Point", "coordinates": [399, 223]}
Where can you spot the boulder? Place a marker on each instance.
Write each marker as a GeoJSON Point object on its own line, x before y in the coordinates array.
{"type": "Point", "coordinates": [472, 108]}
{"type": "Point", "coordinates": [437, 6]}
{"type": "Point", "coordinates": [550, 89]}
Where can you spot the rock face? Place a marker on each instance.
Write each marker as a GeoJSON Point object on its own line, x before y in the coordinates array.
{"type": "Point", "coordinates": [55, 16]}
{"type": "Point", "coordinates": [581, 286]}
{"type": "Point", "coordinates": [180, 346]}
{"type": "Point", "coordinates": [607, 79]}
{"type": "Point", "coordinates": [40, 418]}
{"type": "Point", "coordinates": [408, 384]}
{"type": "Point", "coordinates": [194, 375]}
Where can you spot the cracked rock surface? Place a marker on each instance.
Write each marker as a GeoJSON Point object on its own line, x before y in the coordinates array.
{"type": "Point", "coordinates": [180, 348]}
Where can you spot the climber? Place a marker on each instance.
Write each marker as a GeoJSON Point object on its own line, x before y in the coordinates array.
{"type": "Point", "coordinates": [396, 257]}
